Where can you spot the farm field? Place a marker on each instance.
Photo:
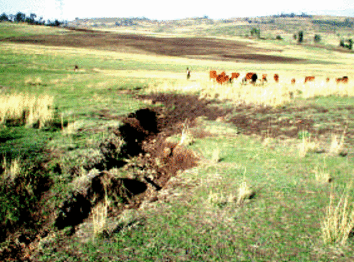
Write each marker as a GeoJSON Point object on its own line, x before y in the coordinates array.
{"type": "Point", "coordinates": [109, 153]}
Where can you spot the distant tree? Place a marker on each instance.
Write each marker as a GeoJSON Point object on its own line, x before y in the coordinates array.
{"type": "Point", "coordinates": [55, 23]}
{"type": "Point", "coordinates": [350, 46]}
{"type": "Point", "coordinates": [278, 37]}
{"type": "Point", "coordinates": [295, 36]}
{"type": "Point", "coordinates": [20, 17]}
{"type": "Point", "coordinates": [256, 32]}
{"type": "Point", "coordinates": [4, 17]}
{"type": "Point", "coordinates": [317, 38]}
{"type": "Point", "coordinates": [341, 43]}
{"type": "Point", "coordinates": [301, 37]}
{"type": "Point", "coordinates": [41, 21]}
{"type": "Point", "coordinates": [32, 19]}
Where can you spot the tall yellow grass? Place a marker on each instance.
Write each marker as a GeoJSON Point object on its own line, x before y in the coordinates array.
{"type": "Point", "coordinates": [10, 170]}
{"type": "Point", "coordinates": [26, 109]}
{"type": "Point", "coordinates": [338, 221]}
{"type": "Point", "coordinates": [266, 94]}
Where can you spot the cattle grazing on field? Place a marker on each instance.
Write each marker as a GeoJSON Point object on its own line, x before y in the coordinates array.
{"type": "Point", "coordinates": [76, 67]}
{"type": "Point", "coordinates": [276, 78]}
{"type": "Point", "coordinates": [264, 77]}
{"type": "Point", "coordinates": [235, 75]}
{"type": "Point", "coordinates": [222, 78]}
{"type": "Point", "coordinates": [293, 81]}
{"type": "Point", "coordinates": [249, 76]}
{"type": "Point", "coordinates": [212, 75]}
{"type": "Point", "coordinates": [327, 79]}
{"type": "Point", "coordinates": [309, 79]}
{"type": "Point", "coordinates": [344, 79]}
{"type": "Point", "coordinates": [252, 77]}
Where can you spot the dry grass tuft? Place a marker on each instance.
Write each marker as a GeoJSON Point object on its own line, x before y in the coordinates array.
{"type": "Point", "coordinates": [215, 155]}
{"type": "Point", "coordinates": [33, 81]}
{"type": "Point", "coordinates": [244, 192]}
{"type": "Point", "coordinates": [26, 109]}
{"type": "Point", "coordinates": [338, 221]}
{"type": "Point", "coordinates": [337, 145]}
{"type": "Point", "coordinates": [99, 218]}
{"type": "Point", "coordinates": [186, 136]}
{"type": "Point", "coordinates": [307, 146]}
{"type": "Point", "coordinates": [321, 175]}
{"type": "Point", "coordinates": [10, 170]}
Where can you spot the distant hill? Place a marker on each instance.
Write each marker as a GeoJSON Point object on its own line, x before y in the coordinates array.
{"type": "Point", "coordinates": [282, 24]}
{"type": "Point", "coordinates": [285, 28]}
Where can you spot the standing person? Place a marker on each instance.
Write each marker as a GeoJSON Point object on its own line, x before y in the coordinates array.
{"type": "Point", "coordinates": [188, 73]}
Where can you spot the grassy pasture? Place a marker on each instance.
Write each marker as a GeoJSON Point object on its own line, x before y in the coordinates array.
{"type": "Point", "coordinates": [199, 218]}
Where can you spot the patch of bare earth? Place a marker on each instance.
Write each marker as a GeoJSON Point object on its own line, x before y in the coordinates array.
{"type": "Point", "coordinates": [208, 48]}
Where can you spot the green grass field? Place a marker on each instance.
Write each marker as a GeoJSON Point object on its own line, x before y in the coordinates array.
{"type": "Point", "coordinates": [199, 215]}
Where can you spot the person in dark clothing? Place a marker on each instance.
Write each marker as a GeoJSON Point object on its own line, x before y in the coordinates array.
{"type": "Point", "coordinates": [188, 73]}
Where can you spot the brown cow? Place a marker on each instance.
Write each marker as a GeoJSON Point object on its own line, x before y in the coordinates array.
{"type": "Point", "coordinates": [249, 76]}
{"type": "Point", "coordinates": [222, 78]}
{"type": "Point", "coordinates": [264, 78]}
{"type": "Point", "coordinates": [309, 79]}
{"type": "Point", "coordinates": [252, 77]}
{"type": "Point", "coordinates": [293, 81]}
{"type": "Point", "coordinates": [344, 80]}
{"type": "Point", "coordinates": [212, 74]}
{"type": "Point", "coordinates": [276, 78]}
{"type": "Point", "coordinates": [235, 75]}
{"type": "Point", "coordinates": [327, 79]}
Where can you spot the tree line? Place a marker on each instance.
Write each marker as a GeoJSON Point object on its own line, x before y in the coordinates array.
{"type": "Point", "coordinates": [31, 19]}
{"type": "Point", "coordinates": [299, 37]}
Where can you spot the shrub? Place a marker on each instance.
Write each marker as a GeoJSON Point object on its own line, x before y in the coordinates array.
{"type": "Point", "coordinates": [317, 38]}
{"type": "Point", "coordinates": [301, 37]}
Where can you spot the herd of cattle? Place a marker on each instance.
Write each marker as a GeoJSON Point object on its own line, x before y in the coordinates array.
{"type": "Point", "coordinates": [252, 78]}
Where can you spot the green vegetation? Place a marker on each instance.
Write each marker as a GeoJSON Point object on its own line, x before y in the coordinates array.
{"type": "Point", "coordinates": [273, 185]}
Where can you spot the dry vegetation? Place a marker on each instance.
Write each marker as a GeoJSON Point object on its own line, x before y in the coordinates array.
{"type": "Point", "coordinates": [10, 171]}
{"type": "Point", "coordinates": [338, 222]}
{"type": "Point", "coordinates": [26, 109]}
{"type": "Point", "coordinates": [280, 166]}
{"type": "Point", "coordinates": [265, 94]}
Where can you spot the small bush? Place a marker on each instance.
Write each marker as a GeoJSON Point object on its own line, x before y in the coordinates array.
{"type": "Point", "coordinates": [303, 134]}
{"type": "Point", "coordinates": [317, 38]}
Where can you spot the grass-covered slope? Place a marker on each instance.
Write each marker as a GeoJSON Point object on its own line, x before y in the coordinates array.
{"type": "Point", "coordinates": [265, 170]}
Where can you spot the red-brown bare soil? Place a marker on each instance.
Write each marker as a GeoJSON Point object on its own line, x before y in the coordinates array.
{"type": "Point", "coordinates": [205, 48]}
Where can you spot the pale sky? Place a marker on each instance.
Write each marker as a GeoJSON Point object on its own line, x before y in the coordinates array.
{"type": "Point", "coordinates": [167, 10]}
